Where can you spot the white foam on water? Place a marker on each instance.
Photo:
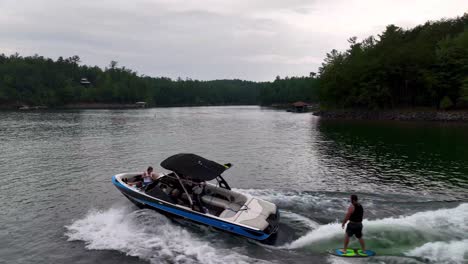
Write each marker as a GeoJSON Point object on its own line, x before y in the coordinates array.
{"type": "Point", "coordinates": [442, 252]}
{"type": "Point", "coordinates": [322, 232]}
{"type": "Point", "coordinates": [424, 226]}
{"type": "Point", "coordinates": [341, 260]}
{"type": "Point", "coordinates": [149, 236]}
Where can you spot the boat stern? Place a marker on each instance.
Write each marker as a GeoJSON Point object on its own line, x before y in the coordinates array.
{"type": "Point", "coordinates": [260, 215]}
{"type": "Point", "coordinates": [273, 223]}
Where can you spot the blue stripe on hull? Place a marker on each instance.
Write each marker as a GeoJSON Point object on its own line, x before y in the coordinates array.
{"type": "Point", "coordinates": [199, 218]}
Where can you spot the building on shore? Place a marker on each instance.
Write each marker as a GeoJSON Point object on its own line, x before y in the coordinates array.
{"type": "Point", "coordinates": [299, 107]}
{"type": "Point", "coordinates": [85, 82]}
{"type": "Point", "coordinates": [140, 104]}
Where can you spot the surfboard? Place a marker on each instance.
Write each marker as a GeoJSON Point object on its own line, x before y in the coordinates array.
{"type": "Point", "coordinates": [352, 253]}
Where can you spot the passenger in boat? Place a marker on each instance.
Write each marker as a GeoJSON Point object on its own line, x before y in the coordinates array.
{"type": "Point", "coordinates": [148, 176]}
{"type": "Point", "coordinates": [354, 216]}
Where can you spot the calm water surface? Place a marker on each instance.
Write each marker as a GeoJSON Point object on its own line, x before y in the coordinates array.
{"type": "Point", "coordinates": [59, 205]}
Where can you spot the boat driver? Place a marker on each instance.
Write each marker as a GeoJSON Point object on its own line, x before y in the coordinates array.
{"type": "Point", "coordinates": [198, 191]}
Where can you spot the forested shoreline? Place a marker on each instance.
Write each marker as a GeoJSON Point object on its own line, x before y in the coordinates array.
{"type": "Point", "coordinates": [426, 66]}
{"type": "Point", "coordinates": [36, 80]}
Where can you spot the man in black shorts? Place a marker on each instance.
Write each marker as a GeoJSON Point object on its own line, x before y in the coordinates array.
{"type": "Point", "coordinates": [354, 216]}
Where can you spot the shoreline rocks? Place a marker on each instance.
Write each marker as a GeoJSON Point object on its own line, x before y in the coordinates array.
{"type": "Point", "coordinates": [398, 115]}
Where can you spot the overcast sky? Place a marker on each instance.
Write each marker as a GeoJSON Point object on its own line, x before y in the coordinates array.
{"type": "Point", "coordinates": [205, 39]}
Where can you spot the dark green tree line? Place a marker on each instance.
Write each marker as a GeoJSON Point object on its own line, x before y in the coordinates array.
{"type": "Point", "coordinates": [42, 81]}
{"type": "Point", "coordinates": [422, 66]}
{"type": "Point", "coordinates": [289, 90]}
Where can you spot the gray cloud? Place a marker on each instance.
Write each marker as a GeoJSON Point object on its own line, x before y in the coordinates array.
{"type": "Point", "coordinates": [211, 39]}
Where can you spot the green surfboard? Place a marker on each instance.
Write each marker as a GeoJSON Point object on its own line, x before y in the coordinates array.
{"type": "Point", "coordinates": [352, 253]}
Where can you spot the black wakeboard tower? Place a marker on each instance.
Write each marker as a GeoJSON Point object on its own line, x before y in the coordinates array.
{"type": "Point", "coordinates": [195, 168]}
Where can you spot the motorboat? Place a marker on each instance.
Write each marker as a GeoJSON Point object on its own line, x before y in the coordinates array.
{"type": "Point", "coordinates": [195, 190]}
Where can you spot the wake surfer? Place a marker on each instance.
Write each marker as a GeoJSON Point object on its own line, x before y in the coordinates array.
{"type": "Point", "coordinates": [354, 216]}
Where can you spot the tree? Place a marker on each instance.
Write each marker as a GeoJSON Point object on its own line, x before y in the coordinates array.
{"type": "Point", "coordinates": [113, 64]}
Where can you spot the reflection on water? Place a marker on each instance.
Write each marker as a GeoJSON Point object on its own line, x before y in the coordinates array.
{"type": "Point", "coordinates": [426, 157]}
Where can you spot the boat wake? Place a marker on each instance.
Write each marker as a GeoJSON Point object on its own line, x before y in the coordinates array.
{"type": "Point", "coordinates": [439, 236]}
{"type": "Point", "coordinates": [148, 235]}
{"type": "Point", "coordinates": [455, 251]}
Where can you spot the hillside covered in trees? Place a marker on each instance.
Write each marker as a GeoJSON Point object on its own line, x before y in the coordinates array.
{"type": "Point", "coordinates": [425, 66]}
{"type": "Point", "coordinates": [36, 80]}
{"type": "Point", "coordinates": [290, 89]}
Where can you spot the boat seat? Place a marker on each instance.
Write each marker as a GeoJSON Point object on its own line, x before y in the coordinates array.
{"type": "Point", "coordinates": [220, 203]}
{"type": "Point", "coordinates": [227, 213]}
{"type": "Point", "coordinates": [229, 195]}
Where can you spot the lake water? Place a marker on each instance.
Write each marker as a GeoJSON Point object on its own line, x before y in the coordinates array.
{"type": "Point", "coordinates": [59, 205]}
